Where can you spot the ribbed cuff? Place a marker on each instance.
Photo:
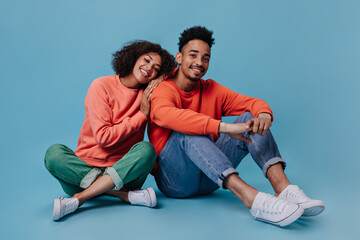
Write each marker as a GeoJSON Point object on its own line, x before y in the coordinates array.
{"type": "Point", "coordinates": [212, 126]}
{"type": "Point", "coordinates": [114, 177]}
{"type": "Point", "coordinates": [90, 178]}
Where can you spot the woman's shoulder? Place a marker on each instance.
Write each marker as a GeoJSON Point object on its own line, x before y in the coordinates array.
{"type": "Point", "coordinates": [106, 80]}
{"type": "Point", "coordinates": [103, 85]}
{"type": "Point", "coordinates": [106, 83]}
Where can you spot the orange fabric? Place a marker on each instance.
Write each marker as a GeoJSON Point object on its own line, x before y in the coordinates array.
{"type": "Point", "coordinates": [198, 112]}
{"type": "Point", "coordinates": [113, 122]}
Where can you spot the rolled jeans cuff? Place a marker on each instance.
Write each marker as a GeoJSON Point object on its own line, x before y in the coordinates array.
{"type": "Point", "coordinates": [224, 175]}
{"type": "Point", "coordinates": [114, 177]}
{"type": "Point", "coordinates": [271, 162]}
{"type": "Point", "coordinates": [90, 178]}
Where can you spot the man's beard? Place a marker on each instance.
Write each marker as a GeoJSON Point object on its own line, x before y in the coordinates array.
{"type": "Point", "coordinates": [194, 79]}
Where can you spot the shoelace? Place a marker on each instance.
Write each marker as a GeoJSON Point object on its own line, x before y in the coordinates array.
{"type": "Point", "coordinates": [299, 194]}
{"type": "Point", "coordinates": [273, 205]}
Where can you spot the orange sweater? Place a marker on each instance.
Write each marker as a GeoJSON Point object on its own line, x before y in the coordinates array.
{"type": "Point", "coordinates": [113, 122]}
{"type": "Point", "coordinates": [198, 112]}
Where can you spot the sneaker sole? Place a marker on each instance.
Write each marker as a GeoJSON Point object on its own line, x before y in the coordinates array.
{"type": "Point", "coordinates": [56, 213]}
{"type": "Point", "coordinates": [153, 201]}
{"type": "Point", "coordinates": [313, 211]}
{"type": "Point", "coordinates": [288, 220]}
{"type": "Point", "coordinates": [292, 218]}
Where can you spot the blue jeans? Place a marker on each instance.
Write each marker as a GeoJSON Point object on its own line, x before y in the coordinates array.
{"type": "Point", "coordinates": [191, 165]}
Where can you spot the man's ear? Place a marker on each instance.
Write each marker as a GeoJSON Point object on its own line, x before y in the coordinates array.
{"type": "Point", "coordinates": [178, 58]}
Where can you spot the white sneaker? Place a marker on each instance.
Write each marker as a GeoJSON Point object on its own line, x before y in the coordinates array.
{"type": "Point", "coordinates": [273, 210]}
{"type": "Point", "coordinates": [294, 194]}
{"type": "Point", "coordinates": [64, 206]}
{"type": "Point", "coordinates": [144, 197]}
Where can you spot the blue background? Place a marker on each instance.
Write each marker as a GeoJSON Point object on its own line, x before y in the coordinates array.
{"type": "Point", "coordinates": [302, 57]}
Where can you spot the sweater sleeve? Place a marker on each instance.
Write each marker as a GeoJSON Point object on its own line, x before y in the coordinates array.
{"type": "Point", "coordinates": [165, 112]}
{"type": "Point", "coordinates": [236, 104]}
{"type": "Point", "coordinates": [106, 133]}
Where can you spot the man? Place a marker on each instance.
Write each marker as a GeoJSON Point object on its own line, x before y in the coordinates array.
{"type": "Point", "coordinates": [194, 159]}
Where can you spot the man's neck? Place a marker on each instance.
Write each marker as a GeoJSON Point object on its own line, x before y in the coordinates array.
{"type": "Point", "coordinates": [183, 82]}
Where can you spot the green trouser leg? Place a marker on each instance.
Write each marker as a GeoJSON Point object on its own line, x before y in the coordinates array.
{"type": "Point", "coordinates": [75, 175]}
{"type": "Point", "coordinates": [69, 188]}
{"type": "Point", "coordinates": [64, 165]}
{"type": "Point", "coordinates": [135, 166]}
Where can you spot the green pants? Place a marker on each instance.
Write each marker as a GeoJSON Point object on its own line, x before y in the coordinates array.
{"type": "Point", "coordinates": [75, 175]}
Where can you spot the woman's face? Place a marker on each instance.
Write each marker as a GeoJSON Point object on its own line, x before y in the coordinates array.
{"type": "Point", "coordinates": [147, 67]}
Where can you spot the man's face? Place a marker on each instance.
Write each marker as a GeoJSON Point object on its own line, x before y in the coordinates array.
{"type": "Point", "coordinates": [194, 59]}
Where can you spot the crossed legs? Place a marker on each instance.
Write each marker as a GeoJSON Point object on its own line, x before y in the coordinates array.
{"type": "Point", "coordinates": [83, 182]}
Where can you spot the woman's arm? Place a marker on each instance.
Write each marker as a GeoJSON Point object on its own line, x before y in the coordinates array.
{"type": "Point", "coordinates": [105, 132]}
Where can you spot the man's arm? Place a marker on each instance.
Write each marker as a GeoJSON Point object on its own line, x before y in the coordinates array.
{"type": "Point", "coordinates": [236, 104]}
{"type": "Point", "coordinates": [165, 113]}
{"type": "Point", "coordinates": [259, 125]}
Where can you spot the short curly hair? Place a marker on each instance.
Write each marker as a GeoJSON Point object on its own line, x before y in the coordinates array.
{"type": "Point", "coordinates": [196, 32]}
{"type": "Point", "coordinates": [124, 60]}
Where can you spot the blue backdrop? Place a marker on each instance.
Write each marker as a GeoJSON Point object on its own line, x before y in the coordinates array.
{"type": "Point", "coordinates": [302, 57]}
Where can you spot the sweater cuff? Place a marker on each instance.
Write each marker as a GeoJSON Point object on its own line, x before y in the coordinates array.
{"type": "Point", "coordinates": [213, 126]}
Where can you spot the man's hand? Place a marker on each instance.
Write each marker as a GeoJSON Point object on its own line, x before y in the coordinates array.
{"type": "Point", "coordinates": [235, 130]}
{"type": "Point", "coordinates": [260, 125]}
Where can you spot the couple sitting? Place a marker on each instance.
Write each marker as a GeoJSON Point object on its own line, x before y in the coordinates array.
{"type": "Point", "coordinates": [192, 152]}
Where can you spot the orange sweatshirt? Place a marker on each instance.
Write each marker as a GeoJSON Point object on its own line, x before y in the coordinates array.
{"type": "Point", "coordinates": [113, 122]}
{"type": "Point", "coordinates": [198, 112]}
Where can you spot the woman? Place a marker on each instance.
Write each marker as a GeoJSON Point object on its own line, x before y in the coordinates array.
{"type": "Point", "coordinates": [111, 157]}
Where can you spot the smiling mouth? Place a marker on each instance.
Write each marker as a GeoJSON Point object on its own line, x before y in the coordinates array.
{"type": "Point", "coordinates": [145, 73]}
{"type": "Point", "coordinates": [197, 70]}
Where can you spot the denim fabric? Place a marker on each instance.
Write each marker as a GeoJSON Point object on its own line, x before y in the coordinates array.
{"type": "Point", "coordinates": [192, 165]}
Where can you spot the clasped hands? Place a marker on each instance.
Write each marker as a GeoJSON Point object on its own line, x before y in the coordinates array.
{"type": "Point", "coordinates": [259, 125]}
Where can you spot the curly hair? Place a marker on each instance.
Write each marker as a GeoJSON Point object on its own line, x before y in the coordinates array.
{"type": "Point", "coordinates": [124, 60]}
{"type": "Point", "coordinates": [196, 32]}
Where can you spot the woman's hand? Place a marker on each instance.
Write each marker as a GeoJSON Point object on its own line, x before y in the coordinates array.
{"type": "Point", "coordinates": [145, 101]}
{"type": "Point", "coordinates": [154, 83]}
